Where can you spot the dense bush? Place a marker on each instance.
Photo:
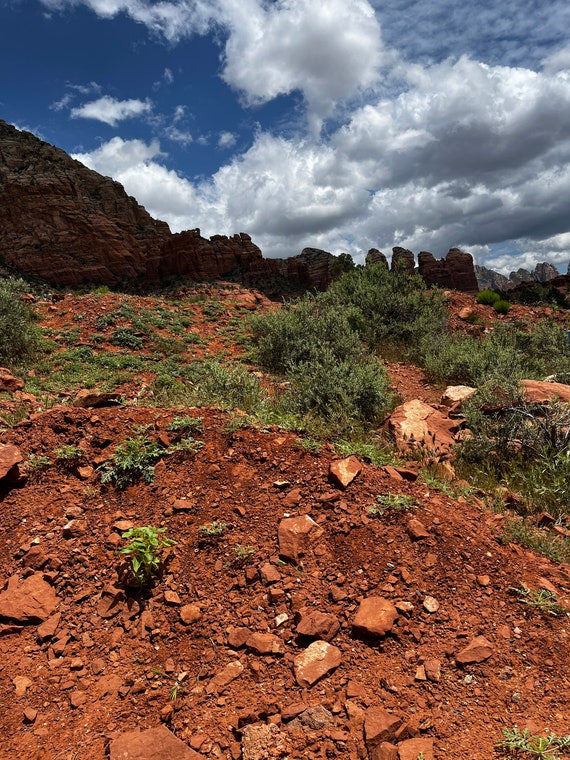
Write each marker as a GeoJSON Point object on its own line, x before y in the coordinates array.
{"type": "Point", "coordinates": [388, 309]}
{"type": "Point", "coordinates": [488, 297]}
{"type": "Point", "coordinates": [507, 353]}
{"type": "Point", "coordinates": [501, 306]}
{"type": "Point", "coordinates": [18, 337]}
{"type": "Point", "coordinates": [314, 344]}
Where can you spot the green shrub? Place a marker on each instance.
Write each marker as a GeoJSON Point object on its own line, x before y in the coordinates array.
{"type": "Point", "coordinates": [18, 337]}
{"type": "Point", "coordinates": [134, 458]}
{"type": "Point", "coordinates": [488, 297]}
{"type": "Point", "coordinates": [127, 338]}
{"type": "Point", "coordinates": [501, 306]}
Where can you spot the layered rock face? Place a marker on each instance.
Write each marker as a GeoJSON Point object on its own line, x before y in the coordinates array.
{"type": "Point", "coordinates": [69, 225]}
{"type": "Point", "coordinates": [455, 271]}
{"type": "Point", "coordinates": [65, 223]}
{"type": "Point", "coordinates": [406, 258]}
{"type": "Point", "coordinates": [487, 279]}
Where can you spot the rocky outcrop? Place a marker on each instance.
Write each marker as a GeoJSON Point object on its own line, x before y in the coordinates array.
{"type": "Point", "coordinates": [65, 223]}
{"type": "Point", "coordinates": [455, 271]}
{"type": "Point", "coordinates": [406, 257]}
{"type": "Point", "coordinates": [374, 256]}
{"type": "Point", "coordinates": [68, 225]}
{"type": "Point", "coordinates": [543, 272]}
{"type": "Point", "coordinates": [487, 279]}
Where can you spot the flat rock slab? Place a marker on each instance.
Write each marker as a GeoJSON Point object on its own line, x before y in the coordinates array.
{"type": "Point", "coordinates": [478, 650]}
{"type": "Point", "coordinates": [152, 744]}
{"type": "Point", "coordinates": [317, 661]}
{"type": "Point", "coordinates": [540, 392]}
{"type": "Point", "coordinates": [295, 535]}
{"type": "Point", "coordinates": [29, 601]}
{"type": "Point", "coordinates": [375, 616]}
{"type": "Point", "coordinates": [344, 471]}
{"type": "Point", "coordinates": [457, 394]}
{"type": "Point", "coordinates": [416, 424]}
{"type": "Point", "coordinates": [317, 625]}
{"type": "Point", "coordinates": [10, 457]}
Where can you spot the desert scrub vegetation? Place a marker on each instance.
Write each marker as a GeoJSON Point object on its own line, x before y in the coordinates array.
{"type": "Point", "coordinates": [523, 446]}
{"type": "Point", "coordinates": [314, 346]}
{"type": "Point", "coordinates": [522, 744]}
{"type": "Point", "coordinates": [18, 335]}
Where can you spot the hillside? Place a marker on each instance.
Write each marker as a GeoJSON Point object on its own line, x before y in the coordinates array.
{"type": "Point", "coordinates": [262, 635]}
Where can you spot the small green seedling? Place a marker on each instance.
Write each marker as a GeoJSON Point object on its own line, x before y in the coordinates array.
{"type": "Point", "coordinates": [212, 530]}
{"type": "Point", "coordinates": [189, 445]}
{"type": "Point", "coordinates": [518, 744]}
{"type": "Point", "coordinates": [145, 550]}
{"type": "Point", "coordinates": [541, 599]}
{"type": "Point", "coordinates": [38, 462]}
{"type": "Point", "coordinates": [396, 502]}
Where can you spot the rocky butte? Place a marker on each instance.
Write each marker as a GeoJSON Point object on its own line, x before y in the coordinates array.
{"type": "Point", "coordinates": [69, 225]}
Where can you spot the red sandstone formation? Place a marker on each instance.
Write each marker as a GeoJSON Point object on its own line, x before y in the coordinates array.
{"type": "Point", "coordinates": [454, 272]}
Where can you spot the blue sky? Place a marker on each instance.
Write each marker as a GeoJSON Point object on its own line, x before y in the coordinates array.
{"type": "Point", "coordinates": [344, 124]}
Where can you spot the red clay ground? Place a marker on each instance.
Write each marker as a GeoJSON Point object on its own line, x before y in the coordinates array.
{"type": "Point", "coordinates": [114, 661]}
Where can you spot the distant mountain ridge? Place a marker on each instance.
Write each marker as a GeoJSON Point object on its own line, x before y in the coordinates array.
{"type": "Point", "coordinates": [487, 278]}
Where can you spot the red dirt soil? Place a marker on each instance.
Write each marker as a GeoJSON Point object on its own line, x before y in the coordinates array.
{"type": "Point", "coordinates": [116, 660]}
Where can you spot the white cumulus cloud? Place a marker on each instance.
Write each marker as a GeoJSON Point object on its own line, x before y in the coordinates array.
{"type": "Point", "coordinates": [110, 110]}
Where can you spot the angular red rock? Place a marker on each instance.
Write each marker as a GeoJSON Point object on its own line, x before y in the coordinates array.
{"type": "Point", "coordinates": [375, 616]}
{"type": "Point", "coordinates": [478, 650]}
{"type": "Point", "coordinates": [343, 471]}
{"type": "Point", "coordinates": [317, 661]}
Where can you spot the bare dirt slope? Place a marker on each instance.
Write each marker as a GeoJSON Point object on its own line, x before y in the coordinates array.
{"type": "Point", "coordinates": [212, 649]}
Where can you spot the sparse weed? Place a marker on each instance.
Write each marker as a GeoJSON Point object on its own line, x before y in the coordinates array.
{"type": "Point", "coordinates": [69, 454]}
{"type": "Point", "coordinates": [213, 530]}
{"type": "Point", "coordinates": [37, 462]}
{"type": "Point", "coordinates": [541, 599]}
{"type": "Point", "coordinates": [392, 502]}
{"type": "Point", "coordinates": [243, 553]}
{"type": "Point", "coordinates": [127, 338]}
{"type": "Point", "coordinates": [309, 444]}
{"type": "Point", "coordinates": [145, 550]}
{"type": "Point", "coordinates": [189, 445]}
{"type": "Point", "coordinates": [185, 425]}
{"type": "Point", "coordinates": [522, 531]}
{"type": "Point", "coordinates": [516, 744]}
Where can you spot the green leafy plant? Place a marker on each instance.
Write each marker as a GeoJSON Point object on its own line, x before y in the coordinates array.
{"type": "Point", "coordinates": [540, 599]}
{"type": "Point", "coordinates": [18, 336]}
{"type": "Point", "coordinates": [134, 458]}
{"type": "Point", "coordinates": [185, 425]}
{"type": "Point", "coordinates": [392, 502]}
{"type": "Point", "coordinates": [189, 445]}
{"type": "Point", "coordinates": [38, 462]}
{"type": "Point", "coordinates": [145, 551]}
{"type": "Point", "coordinates": [127, 338]}
{"type": "Point", "coordinates": [518, 744]}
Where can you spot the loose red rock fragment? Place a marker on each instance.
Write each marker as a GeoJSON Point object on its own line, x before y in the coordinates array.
{"type": "Point", "coordinates": [269, 574]}
{"type": "Point", "coordinates": [9, 383]}
{"type": "Point", "coordinates": [430, 604]}
{"type": "Point", "coordinates": [10, 457]}
{"type": "Point", "coordinates": [152, 744]}
{"type": "Point", "coordinates": [344, 471]}
{"type": "Point", "coordinates": [190, 613]}
{"type": "Point", "coordinates": [31, 601]}
{"type": "Point", "coordinates": [379, 726]}
{"type": "Point", "coordinates": [417, 530]}
{"type": "Point", "coordinates": [262, 741]}
{"type": "Point", "coordinates": [432, 669]}
{"type": "Point", "coordinates": [457, 394]}
{"type": "Point", "coordinates": [416, 424]}
{"type": "Point", "coordinates": [296, 535]}
{"type": "Point", "coordinates": [222, 679]}
{"type": "Point", "coordinates": [317, 625]}
{"type": "Point", "coordinates": [375, 616]}
{"type": "Point", "coordinates": [265, 643]}
{"type": "Point", "coordinates": [47, 629]}
{"type": "Point", "coordinates": [478, 650]}
{"type": "Point", "coordinates": [317, 661]}
{"type": "Point", "coordinates": [411, 749]}
{"type": "Point", "coordinates": [21, 684]}
{"type": "Point", "coordinates": [386, 751]}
